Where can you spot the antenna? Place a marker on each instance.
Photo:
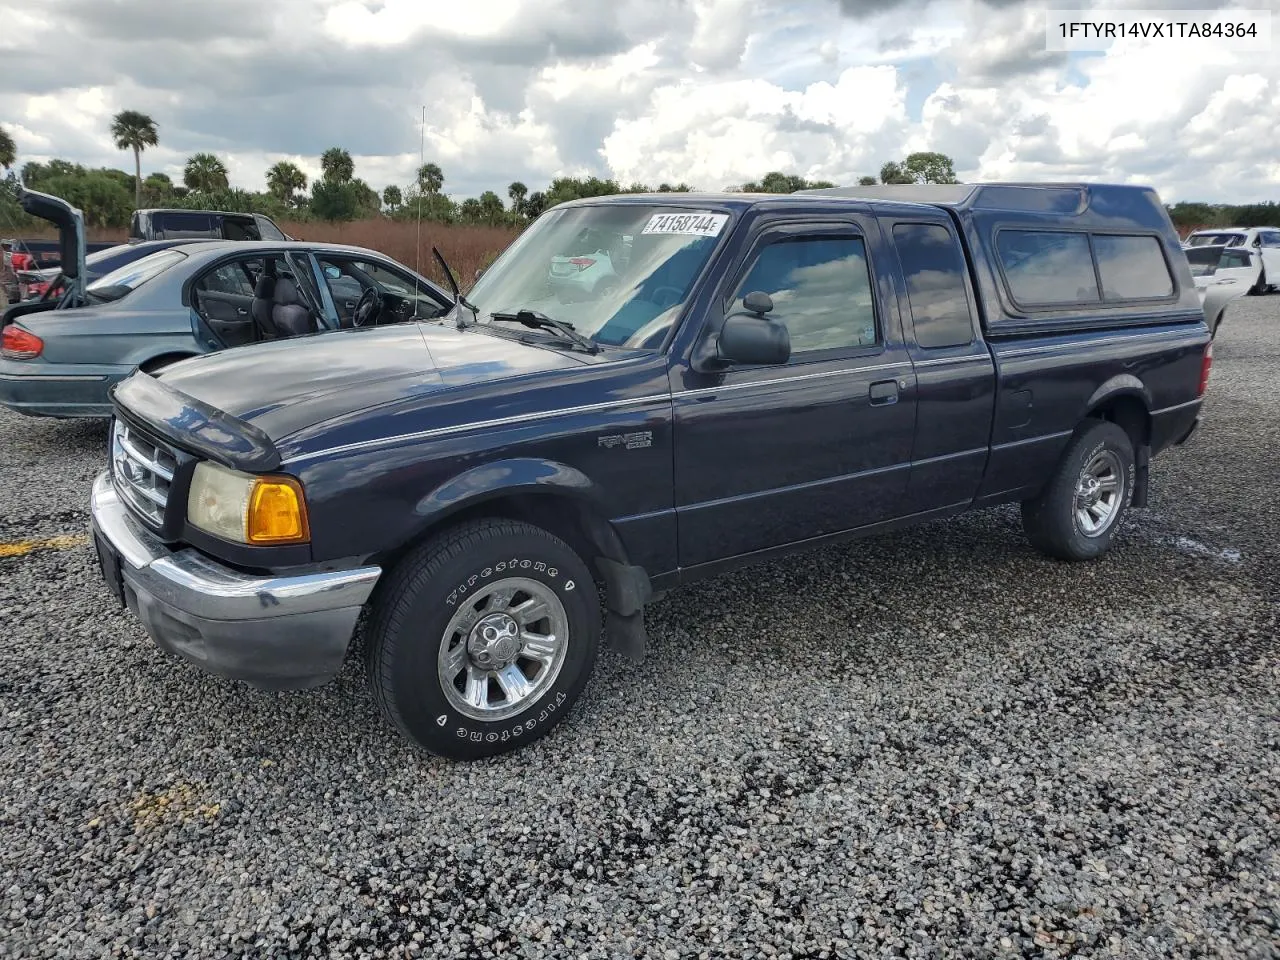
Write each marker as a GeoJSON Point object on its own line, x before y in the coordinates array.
{"type": "Point", "coordinates": [417, 244]}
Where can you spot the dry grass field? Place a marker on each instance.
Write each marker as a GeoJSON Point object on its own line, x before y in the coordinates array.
{"type": "Point", "coordinates": [467, 248]}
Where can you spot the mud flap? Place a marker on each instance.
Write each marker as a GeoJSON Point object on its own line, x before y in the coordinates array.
{"type": "Point", "coordinates": [1141, 476]}
{"type": "Point", "coordinates": [627, 590]}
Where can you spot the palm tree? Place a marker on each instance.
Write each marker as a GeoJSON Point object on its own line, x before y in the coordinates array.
{"type": "Point", "coordinates": [430, 178]}
{"type": "Point", "coordinates": [517, 191]}
{"type": "Point", "coordinates": [134, 131]}
{"type": "Point", "coordinates": [392, 197]}
{"type": "Point", "coordinates": [205, 173]}
{"type": "Point", "coordinates": [284, 179]}
{"type": "Point", "coordinates": [8, 150]}
{"type": "Point", "coordinates": [337, 165]}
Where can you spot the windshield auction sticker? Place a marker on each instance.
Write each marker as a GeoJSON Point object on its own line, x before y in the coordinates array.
{"type": "Point", "coordinates": [699, 223]}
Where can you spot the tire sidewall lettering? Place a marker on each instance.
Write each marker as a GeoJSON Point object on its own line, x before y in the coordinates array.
{"type": "Point", "coordinates": [487, 733]}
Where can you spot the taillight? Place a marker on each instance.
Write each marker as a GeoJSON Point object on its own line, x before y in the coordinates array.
{"type": "Point", "coordinates": [581, 262]}
{"type": "Point", "coordinates": [1205, 365]}
{"type": "Point", "coordinates": [19, 344]}
{"type": "Point", "coordinates": [23, 261]}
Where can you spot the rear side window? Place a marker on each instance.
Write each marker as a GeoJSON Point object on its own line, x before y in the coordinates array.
{"type": "Point", "coordinates": [229, 278]}
{"type": "Point", "coordinates": [1132, 268]}
{"type": "Point", "coordinates": [182, 225]}
{"type": "Point", "coordinates": [935, 272]}
{"type": "Point", "coordinates": [239, 228]}
{"type": "Point", "coordinates": [1045, 268]}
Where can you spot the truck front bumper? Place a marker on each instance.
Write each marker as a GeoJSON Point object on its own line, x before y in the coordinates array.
{"type": "Point", "coordinates": [278, 633]}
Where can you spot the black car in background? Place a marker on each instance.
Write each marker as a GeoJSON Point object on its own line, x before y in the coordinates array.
{"type": "Point", "coordinates": [202, 225]}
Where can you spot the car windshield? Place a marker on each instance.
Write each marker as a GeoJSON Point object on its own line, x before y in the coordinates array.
{"type": "Point", "coordinates": [128, 278]}
{"type": "Point", "coordinates": [1215, 239]}
{"type": "Point", "coordinates": [619, 272]}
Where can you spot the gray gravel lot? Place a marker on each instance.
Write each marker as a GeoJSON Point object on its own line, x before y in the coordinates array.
{"type": "Point", "coordinates": [935, 743]}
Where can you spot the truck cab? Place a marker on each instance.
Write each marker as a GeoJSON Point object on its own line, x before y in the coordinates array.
{"type": "Point", "coordinates": [763, 375]}
{"type": "Point", "coordinates": [202, 224]}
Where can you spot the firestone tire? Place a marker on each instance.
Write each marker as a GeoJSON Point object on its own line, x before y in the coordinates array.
{"type": "Point", "coordinates": [446, 609]}
{"type": "Point", "coordinates": [1079, 511]}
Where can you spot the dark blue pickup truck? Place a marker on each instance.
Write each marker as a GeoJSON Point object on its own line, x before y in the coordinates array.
{"type": "Point", "coordinates": [769, 373]}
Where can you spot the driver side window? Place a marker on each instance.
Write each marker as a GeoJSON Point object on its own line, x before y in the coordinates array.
{"type": "Point", "coordinates": [344, 287]}
{"type": "Point", "coordinates": [821, 292]}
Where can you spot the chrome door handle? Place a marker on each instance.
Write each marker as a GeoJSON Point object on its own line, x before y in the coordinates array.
{"type": "Point", "coordinates": [883, 393]}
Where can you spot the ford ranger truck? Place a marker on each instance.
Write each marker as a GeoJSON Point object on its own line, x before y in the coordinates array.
{"type": "Point", "coordinates": [475, 494]}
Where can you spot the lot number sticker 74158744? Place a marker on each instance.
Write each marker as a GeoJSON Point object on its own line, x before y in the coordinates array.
{"type": "Point", "coordinates": [698, 223]}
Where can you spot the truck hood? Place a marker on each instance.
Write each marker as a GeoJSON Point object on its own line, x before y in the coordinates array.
{"type": "Point", "coordinates": [286, 385]}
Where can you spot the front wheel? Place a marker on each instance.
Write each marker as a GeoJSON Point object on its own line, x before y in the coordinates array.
{"type": "Point", "coordinates": [483, 638]}
{"type": "Point", "coordinates": [1077, 513]}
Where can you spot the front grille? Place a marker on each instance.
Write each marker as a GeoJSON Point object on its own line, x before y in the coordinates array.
{"type": "Point", "coordinates": [143, 472]}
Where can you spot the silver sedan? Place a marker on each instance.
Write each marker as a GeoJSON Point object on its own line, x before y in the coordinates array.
{"type": "Point", "coordinates": [194, 299]}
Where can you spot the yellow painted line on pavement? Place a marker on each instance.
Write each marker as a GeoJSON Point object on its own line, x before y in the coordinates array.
{"type": "Point", "coordinates": [20, 548]}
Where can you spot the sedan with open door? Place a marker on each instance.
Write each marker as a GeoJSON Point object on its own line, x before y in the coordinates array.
{"type": "Point", "coordinates": [193, 299]}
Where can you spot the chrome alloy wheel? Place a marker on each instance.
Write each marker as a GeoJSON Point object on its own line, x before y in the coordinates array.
{"type": "Point", "coordinates": [503, 649]}
{"type": "Point", "coordinates": [1099, 493]}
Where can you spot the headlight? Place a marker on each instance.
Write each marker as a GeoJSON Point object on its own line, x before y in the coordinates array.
{"type": "Point", "coordinates": [247, 508]}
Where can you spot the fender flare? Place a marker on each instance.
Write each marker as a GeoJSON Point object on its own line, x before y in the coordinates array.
{"type": "Point", "coordinates": [1121, 385]}
{"type": "Point", "coordinates": [499, 478]}
{"type": "Point", "coordinates": [627, 587]}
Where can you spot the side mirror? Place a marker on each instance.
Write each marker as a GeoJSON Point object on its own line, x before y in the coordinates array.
{"type": "Point", "coordinates": [754, 339]}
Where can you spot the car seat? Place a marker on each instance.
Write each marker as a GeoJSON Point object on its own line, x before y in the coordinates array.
{"type": "Point", "coordinates": [291, 317]}
{"type": "Point", "coordinates": [263, 302]}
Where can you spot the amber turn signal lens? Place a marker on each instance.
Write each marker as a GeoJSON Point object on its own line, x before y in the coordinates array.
{"type": "Point", "coordinates": [277, 512]}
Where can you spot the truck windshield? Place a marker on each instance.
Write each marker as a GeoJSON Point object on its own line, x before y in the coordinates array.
{"type": "Point", "coordinates": [128, 278]}
{"type": "Point", "coordinates": [619, 273]}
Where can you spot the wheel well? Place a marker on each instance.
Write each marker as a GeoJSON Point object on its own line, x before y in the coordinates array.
{"type": "Point", "coordinates": [155, 363]}
{"type": "Point", "coordinates": [1130, 414]}
{"type": "Point", "coordinates": [587, 534]}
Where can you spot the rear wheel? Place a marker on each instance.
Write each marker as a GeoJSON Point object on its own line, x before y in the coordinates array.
{"type": "Point", "coordinates": [1076, 515]}
{"type": "Point", "coordinates": [483, 638]}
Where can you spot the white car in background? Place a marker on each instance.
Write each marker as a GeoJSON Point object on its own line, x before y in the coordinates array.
{"type": "Point", "coordinates": [592, 269]}
{"type": "Point", "coordinates": [1264, 240]}
{"type": "Point", "coordinates": [1221, 274]}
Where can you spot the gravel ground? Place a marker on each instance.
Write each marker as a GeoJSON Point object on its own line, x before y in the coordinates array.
{"type": "Point", "coordinates": [936, 743]}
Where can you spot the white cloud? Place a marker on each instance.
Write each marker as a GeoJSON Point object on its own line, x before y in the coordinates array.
{"type": "Point", "coordinates": [710, 92]}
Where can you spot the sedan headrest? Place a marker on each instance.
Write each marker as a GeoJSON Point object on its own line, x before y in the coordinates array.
{"type": "Point", "coordinates": [287, 292]}
{"type": "Point", "coordinates": [265, 288]}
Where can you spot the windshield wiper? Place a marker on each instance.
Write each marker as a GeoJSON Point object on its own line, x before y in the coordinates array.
{"type": "Point", "coordinates": [539, 320]}
{"type": "Point", "coordinates": [458, 298]}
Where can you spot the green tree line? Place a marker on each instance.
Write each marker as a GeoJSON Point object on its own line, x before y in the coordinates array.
{"type": "Point", "coordinates": [108, 196]}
